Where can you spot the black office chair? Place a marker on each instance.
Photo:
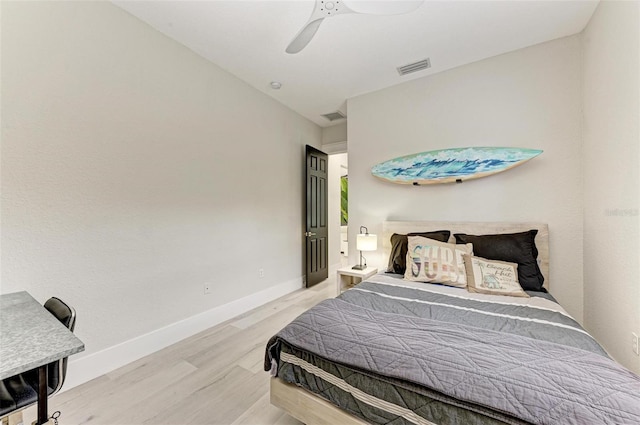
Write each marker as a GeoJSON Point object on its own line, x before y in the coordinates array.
{"type": "Point", "coordinates": [21, 391]}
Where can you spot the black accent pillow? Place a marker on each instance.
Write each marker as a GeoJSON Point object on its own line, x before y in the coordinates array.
{"type": "Point", "coordinates": [399, 247]}
{"type": "Point", "coordinates": [517, 248]}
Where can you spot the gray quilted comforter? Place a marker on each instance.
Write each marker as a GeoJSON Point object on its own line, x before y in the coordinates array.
{"type": "Point", "coordinates": [531, 364]}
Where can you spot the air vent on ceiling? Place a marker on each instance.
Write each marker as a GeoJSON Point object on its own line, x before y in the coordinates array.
{"type": "Point", "coordinates": [414, 67]}
{"type": "Point", "coordinates": [334, 116]}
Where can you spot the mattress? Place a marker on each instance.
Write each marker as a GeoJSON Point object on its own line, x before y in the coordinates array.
{"type": "Point", "coordinates": [396, 352]}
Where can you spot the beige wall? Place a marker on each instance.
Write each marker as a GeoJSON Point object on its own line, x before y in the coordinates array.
{"type": "Point", "coordinates": [334, 134]}
{"type": "Point", "coordinates": [611, 181]}
{"type": "Point", "coordinates": [128, 161]}
{"type": "Point", "coordinates": [528, 98]}
{"type": "Point", "coordinates": [334, 139]}
{"type": "Point", "coordinates": [134, 171]}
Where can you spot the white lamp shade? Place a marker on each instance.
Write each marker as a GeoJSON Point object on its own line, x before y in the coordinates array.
{"type": "Point", "coordinates": [366, 242]}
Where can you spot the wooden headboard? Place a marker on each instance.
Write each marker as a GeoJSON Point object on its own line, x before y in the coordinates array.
{"type": "Point", "coordinates": [472, 228]}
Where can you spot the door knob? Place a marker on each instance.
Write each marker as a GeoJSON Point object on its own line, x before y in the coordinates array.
{"type": "Point", "coordinates": [308, 234]}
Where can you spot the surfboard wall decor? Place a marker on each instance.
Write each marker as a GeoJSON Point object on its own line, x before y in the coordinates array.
{"type": "Point", "coordinates": [451, 165]}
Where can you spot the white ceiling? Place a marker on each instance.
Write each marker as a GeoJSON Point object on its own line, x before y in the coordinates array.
{"type": "Point", "coordinates": [353, 54]}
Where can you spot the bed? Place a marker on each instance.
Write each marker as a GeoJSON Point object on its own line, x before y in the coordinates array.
{"type": "Point", "coordinates": [396, 351]}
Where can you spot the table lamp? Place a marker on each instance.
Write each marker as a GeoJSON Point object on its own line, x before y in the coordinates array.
{"type": "Point", "coordinates": [365, 241]}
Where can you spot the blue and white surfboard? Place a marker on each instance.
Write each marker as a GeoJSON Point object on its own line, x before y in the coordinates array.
{"type": "Point", "coordinates": [451, 165]}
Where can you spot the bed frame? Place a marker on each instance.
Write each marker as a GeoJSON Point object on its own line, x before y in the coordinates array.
{"type": "Point", "coordinates": [313, 410]}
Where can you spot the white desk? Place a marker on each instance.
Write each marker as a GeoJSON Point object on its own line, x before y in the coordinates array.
{"type": "Point", "coordinates": [30, 338]}
{"type": "Point", "coordinates": [347, 277]}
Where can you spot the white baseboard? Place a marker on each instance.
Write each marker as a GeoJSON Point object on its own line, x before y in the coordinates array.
{"type": "Point", "coordinates": [92, 366]}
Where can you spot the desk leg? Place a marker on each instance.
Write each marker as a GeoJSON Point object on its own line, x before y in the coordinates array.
{"type": "Point", "coordinates": [43, 414]}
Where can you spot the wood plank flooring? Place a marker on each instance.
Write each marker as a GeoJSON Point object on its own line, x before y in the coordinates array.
{"type": "Point", "coordinates": [214, 377]}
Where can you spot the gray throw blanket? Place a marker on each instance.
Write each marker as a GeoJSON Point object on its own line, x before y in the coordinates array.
{"type": "Point", "coordinates": [538, 381]}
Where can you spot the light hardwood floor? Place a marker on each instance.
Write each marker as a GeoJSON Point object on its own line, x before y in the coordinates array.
{"type": "Point", "coordinates": [214, 377]}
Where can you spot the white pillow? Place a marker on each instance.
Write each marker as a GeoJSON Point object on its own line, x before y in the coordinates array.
{"type": "Point", "coordinates": [433, 261]}
{"type": "Point", "coordinates": [493, 277]}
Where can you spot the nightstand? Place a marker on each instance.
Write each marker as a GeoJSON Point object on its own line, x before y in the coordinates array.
{"type": "Point", "coordinates": [348, 277]}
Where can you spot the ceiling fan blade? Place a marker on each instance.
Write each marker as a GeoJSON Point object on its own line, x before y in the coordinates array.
{"type": "Point", "coordinates": [322, 9]}
{"type": "Point", "coordinates": [383, 7]}
{"type": "Point", "coordinates": [330, 8]}
{"type": "Point", "coordinates": [304, 36]}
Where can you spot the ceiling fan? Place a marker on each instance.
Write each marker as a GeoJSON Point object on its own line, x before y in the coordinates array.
{"type": "Point", "coordinates": [329, 8]}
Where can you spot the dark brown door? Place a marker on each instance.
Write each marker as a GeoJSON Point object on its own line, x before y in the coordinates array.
{"type": "Point", "coordinates": [316, 233]}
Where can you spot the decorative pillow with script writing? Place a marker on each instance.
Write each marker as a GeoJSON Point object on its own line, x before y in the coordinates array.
{"type": "Point", "coordinates": [433, 261]}
{"type": "Point", "coordinates": [492, 277]}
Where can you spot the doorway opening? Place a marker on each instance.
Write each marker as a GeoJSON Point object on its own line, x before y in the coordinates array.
{"type": "Point", "coordinates": [338, 206]}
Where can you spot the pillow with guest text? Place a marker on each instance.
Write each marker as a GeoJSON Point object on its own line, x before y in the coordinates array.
{"type": "Point", "coordinates": [492, 277]}
{"type": "Point", "coordinates": [433, 261]}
